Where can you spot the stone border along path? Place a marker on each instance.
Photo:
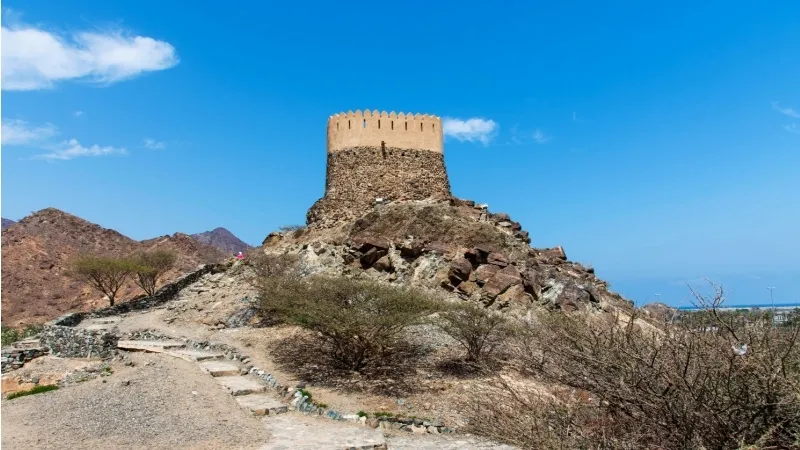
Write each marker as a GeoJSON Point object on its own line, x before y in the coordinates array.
{"type": "Point", "coordinates": [250, 393]}
{"type": "Point", "coordinates": [209, 355]}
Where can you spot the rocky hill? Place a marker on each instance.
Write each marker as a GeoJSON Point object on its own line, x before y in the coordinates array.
{"type": "Point", "coordinates": [7, 223]}
{"type": "Point", "coordinates": [36, 252]}
{"type": "Point", "coordinates": [453, 247]}
{"type": "Point", "coordinates": [222, 239]}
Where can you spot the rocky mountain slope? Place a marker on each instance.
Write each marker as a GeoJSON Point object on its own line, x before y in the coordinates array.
{"type": "Point", "coordinates": [453, 247]}
{"type": "Point", "coordinates": [222, 239]}
{"type": "Point", "coordinates": [36, 252]}
{"type": "Point", "coordinates": [7, 223]}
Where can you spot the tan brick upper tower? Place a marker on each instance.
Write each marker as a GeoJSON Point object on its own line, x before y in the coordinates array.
{"type": "Point", "coordinates": [379, 155]}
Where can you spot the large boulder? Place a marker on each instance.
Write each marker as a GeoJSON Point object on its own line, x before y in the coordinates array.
{"type": "Point", "coordinates": [497, 258]}
{"type": "Point", "coordinates": [485, 272]}
{"type": "Point", "coordinates": [460, 270]}
{"type": "Point", "coordinates": [502, 280]}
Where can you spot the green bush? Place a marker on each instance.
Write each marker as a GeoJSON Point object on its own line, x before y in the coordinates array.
{"type": "Point", "coordinates": [34, 390]}
{"type": "Point", "coordinates": [478, 330]}
{"type": "Point", "coordinates": [358, 321]}
{"type": "Point", "coordinates": [11, 335]}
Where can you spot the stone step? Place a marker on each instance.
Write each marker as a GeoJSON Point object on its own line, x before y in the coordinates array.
{"type": "Point", "coordinates": [101, 323]}
{"type": "Point", "coordinates": [150, 346]}
{"type": "Point", "coordinates": [240, 385]}
{"type": "Point", "coordinates": [301, 432]}
{"type": "Point", "coordinates": [195, 355]}
{"type": "Point", "coordinates": [220, 368]}
{"type": "Point", "coordinates": [261, 404]}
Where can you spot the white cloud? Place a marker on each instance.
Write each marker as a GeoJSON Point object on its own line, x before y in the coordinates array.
{"type": "Point", "coordinates": [474, 129]}
{"type": "Point", "coordinates": [19, 132]}
{"type": "Point", "coordinates": [33, 58]}
{"type": "Point", "coordinates": [792, 128]}
{"type": "Point", "coordinates": [789, 111]}
{"type": "Point", "coordinates": [154, 144]}
{"type": "Point", "coordinates": [77, 113]}
{"type": "Point", "coordinates": [73, 149]}
{"type": "Point", "coordinates": [539, 137]}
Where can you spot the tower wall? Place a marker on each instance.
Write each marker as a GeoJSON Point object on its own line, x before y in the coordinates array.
{"type": "Point", "coordinates": [379, 155]}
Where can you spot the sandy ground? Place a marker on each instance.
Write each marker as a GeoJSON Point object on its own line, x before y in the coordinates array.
{"type": "Point", "coordinates": [168, 403]}
{"type": "Point", "coordinates": [164, 402]}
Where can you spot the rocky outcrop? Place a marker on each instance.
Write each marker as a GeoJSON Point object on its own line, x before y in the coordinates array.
{"type": "Point", "coordinates": [456, 248]}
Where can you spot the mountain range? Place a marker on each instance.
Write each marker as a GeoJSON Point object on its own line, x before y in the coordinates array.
{"type": "Point", "coordinates": [36, 252]}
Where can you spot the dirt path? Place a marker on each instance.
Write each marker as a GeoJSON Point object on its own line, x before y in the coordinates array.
{"type": "Point", "coordinates": [167, 404]}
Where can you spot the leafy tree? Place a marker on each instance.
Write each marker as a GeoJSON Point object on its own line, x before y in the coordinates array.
{"type": "Point", "coordinates": [150, 266]}
{"type": "Point", "coordinates": [107, 275]}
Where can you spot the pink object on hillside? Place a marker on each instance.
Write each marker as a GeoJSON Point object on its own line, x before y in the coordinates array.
{"type": "Point", "coordinates": [240, 256]}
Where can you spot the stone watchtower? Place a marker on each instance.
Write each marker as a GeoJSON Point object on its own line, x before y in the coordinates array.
{"type": "Point", "coordinates": [379, 155]}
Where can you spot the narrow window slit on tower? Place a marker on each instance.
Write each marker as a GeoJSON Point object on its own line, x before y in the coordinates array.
{"type": "Point", "coordinates": [383, 149]}
{"type": "Point", "coordinates": [420, 127]}
{"type": "Point", "coordinates": [379, 124]}
{"type": "Point", "coordinates": [348, 124]}
{"type": "Point", "coordinates": [365, 123]}
{"type": "Point", "coordinates": [393, 124]}
{"type": "Point", "coordinates": [406, 126]}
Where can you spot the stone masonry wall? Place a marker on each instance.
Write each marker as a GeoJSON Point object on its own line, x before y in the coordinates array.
{"type": "Point", "coordinates": [357, 176]}
{"type": "Point", "coordinates": [62, 337]}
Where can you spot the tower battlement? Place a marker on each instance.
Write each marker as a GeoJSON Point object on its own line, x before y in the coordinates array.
{"type": "Point", "coordinates": [379, 155]}
{"type": "Point", "coordinates": [370, 129]}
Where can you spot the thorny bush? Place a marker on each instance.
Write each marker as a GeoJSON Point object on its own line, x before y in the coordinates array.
{"type": "Point", "coordinates": [358, 322]}
{"type": "Point", "coordinates": [711, 381]}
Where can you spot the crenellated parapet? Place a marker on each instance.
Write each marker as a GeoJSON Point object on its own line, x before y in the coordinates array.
{"type": "Point", "coordinates": [373, 128]}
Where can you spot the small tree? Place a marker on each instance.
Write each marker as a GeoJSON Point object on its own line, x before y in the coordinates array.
{"type": "Point", "coordinates": [107, 275]}
{"type": "Point", "coordinates": [150, 266]}
{"type": "Point", "coordinates": [358, 321]}
{"type": "Point", "coordinates": [476, 329]}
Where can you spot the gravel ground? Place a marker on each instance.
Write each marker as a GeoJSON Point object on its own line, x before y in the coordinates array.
{"type": "Point", "coordinates": [169, 403]}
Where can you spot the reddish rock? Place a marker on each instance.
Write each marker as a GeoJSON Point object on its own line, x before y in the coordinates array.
{"type": "Point", "coordinates": [459, 270]}
{"type": "Point", "coordinates": [383, 264]}
{"type": "Point", "coordinates": [411, 249]}
{"type": "Point", "coordinates": [502, 280]}
{"type": "Point", "coordinates": [515, 296]}
{"type": "Point", "coordinates": [498, 259]}
{"type": "Point", "coordinates": [478, 255]}
{"type": "Point", "coordinates": [371, 256]}
{"type": "Point", "coordinates": [531, 283]}
{"type": "Point", "coordinates": [468, 287]}
{"type": "Point", "coordinates": [485, 272]}
{"type": "Point", "coordinates": [554, 253]}
{"type": "Point", "coordinates": [366, 243]}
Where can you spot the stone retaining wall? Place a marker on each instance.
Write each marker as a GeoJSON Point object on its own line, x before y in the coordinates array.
{"type": "Point", "coordinates": [71, 342]}
{"type": "Point", "coordinates": [14, 358]}
{"type": "Point", "coordinates": [62, 337]}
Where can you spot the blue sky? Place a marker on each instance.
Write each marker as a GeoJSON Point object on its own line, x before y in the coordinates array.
{"type": "Point", "coordinates": [658, 143]}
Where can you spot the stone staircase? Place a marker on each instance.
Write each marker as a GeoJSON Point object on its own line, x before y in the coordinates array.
{"type": "Point", "coordinates": [249, 393]}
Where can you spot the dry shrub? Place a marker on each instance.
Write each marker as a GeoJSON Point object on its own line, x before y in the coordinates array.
{"type": "Point", "coordinates": [479, 331]}
{"type": "Point", "coordinates": [358, 322]}
{"type": "Point", "coordinates": [711, 382]}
